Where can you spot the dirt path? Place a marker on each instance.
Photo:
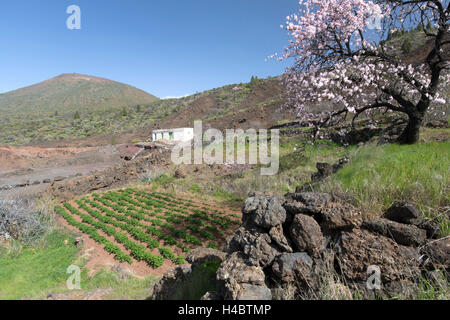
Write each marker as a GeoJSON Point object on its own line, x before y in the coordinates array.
{"type": "Point", "coordinates": [28, 171]}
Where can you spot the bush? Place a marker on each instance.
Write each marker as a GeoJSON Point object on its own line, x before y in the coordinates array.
{"type": "Point", "coordinates": [407, 46]}
{"type": "Point", "coordinates": [20, 221]}
{"type": "Point", "coordinates": [162, 181]}
{"type": "Point", "coordinates": [150, 175]}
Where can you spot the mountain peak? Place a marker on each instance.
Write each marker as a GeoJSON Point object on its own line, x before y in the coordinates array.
{"type": "Point", "coordinates": [80, 77]}
{"type": "Point", "coordinates": [69, 92]}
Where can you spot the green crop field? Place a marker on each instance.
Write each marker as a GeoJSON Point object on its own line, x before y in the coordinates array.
{"type": "Point", "coordinates": [148, 226]}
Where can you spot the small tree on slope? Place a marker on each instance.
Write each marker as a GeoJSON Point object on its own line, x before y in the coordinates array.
{"type": "Point", "coordinates": [340, 58]}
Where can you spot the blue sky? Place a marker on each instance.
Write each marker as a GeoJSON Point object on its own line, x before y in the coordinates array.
{"type": "Point", "coordinates": [165, 47]}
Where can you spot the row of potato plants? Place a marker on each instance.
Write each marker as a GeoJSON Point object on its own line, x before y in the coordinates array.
{"type": "Point", "coordinates": [190, 203]}
{"type": "Point", "coordinates": [93, 234]}
{"type": "Point", "coordinates": [170, 217]}
{"type": "Point", "coordinates": [137, 251]}
{"type": "Point", "coordinates": [191, 222]}
{"type": "Point", "coordinates": [214, 217]}
{"type": "Point", "coordinates": [132, 226]}
{"type": "Point", "coordinates": [151, 229]}
{"type": "Point", "coordinates": [184, 202]}
{"type": "Point", "coordinates": [157, 222]}
{"type": "Point", "coordinates": [187, 202]}
{"type": "Point", "coordinates": [159, 226]}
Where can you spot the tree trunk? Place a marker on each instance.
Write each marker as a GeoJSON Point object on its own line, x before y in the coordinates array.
{"type": "Point", "coordinates": [411, 133]}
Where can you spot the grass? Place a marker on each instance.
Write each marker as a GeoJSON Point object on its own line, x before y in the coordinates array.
{"type": "Point", "coordinates": [431, 291]}
{"type": "Point", "coordinates": [128, 289]}
{"type": "Point", "coordinates": [32, 271]}
{"type": "Point", "coordinates": [380, 175]}
{"type": "Point", "coordinates": [35, 272]}
{"type": "Point", "coordinates": [377, 175]}
{"type": "Point", "coordinates": [162, 181]}
{"type": "Point", "coordinates": [201, 280]}
{"type": "Point", "coordinates": [429, 134]}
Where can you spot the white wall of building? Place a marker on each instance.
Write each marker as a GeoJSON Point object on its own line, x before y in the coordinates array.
{"type": "Point", "coordinates": [179, 134]}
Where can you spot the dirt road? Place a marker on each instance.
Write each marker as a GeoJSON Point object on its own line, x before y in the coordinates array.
{"type": "Point", "coordinates": [32, 169]}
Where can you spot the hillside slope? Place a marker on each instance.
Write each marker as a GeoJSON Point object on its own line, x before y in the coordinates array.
{"type": "Point", "coordinates": [256, 104]}
{"type": "Point", "coordinates": [69, 92]}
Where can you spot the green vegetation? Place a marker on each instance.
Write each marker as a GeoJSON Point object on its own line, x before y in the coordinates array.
{"type": "Point", "coordinates": [377, 175]}
{"type": "Point", "coordinates": [141, 220]}
{"type": "Point", "coordinates": [162, 181]}
{"type": "Point", "coordinates": [202, 280]}
{"type": "Point", "coordinates": [25, 128]}
{"type": "Point", "coordinates": [32, 271]}
{"type": "Point", "coordinates": [406, 46]}
{"type": "Point", "coordinates": [46, 124]}
{"type": "Point", "coordinates": [297, 163]}
{"type": "Point", "coordinates": [429, 290]}
{"type": "Point", "coordinates": [380, 175]}
{"type": "Point", "coordinates": [69, 92]}
{"type": "Point", "coordinates": [404, 42]}
{"type": "Point", "coordinates": [120, 288]}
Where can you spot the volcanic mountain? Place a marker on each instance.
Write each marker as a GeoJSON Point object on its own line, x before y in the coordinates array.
{"type": "Point", "coordinates": [72, 92]}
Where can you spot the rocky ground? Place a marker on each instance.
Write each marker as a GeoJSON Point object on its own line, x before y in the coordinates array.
{"type": "Point", "coordinates": [30, 172]}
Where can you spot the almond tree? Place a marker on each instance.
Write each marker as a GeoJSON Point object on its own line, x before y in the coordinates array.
{"type": "Point", "coordinates": [341, 57]}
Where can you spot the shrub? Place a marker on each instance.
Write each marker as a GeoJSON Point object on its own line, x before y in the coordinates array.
{"type": "Point", "coordinates": [407, 46]}
{"type": "Point", "coordinates": [212, 245]}
{"type": "Point", "coordinates": [162, 181]}
{"type": "Point", "coordinates": [150, 175]}
{"type": "Point", "coordinates": [21, 221]}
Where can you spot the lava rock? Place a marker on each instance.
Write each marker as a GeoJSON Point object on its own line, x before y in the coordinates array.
{"type": "Point", "coordinates": [306, 234]}
{"type": "Point", "coordinates": [180, 174]}
{"type": "Point", "coordinates": [359, 249]}
{"type": "Point", "coordinates": [331, 212]}
{"type": "Point", "coordinates": [432, 229]}
{"type": "Point", "coordinates": [404, 212]}
{"type": "Point", "coordinates": [439, 252]}
{"type": "Point", "coordinates": [263, 211]}
{"type": "Point", "coordinates": [257, 246]}
{"type": "Point", "coordinates": [279, 239]}
{"type": "Point", "coordinates": [170, 283]}
{"type": "Point", "coordinates": [285, 265]}
{"type": "Point", "coordinates": [407, 235]}
{"type": "Point", "coordinates": [242, 280]}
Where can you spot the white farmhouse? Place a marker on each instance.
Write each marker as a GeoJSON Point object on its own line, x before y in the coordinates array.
{"type": "Point", "coordinates": [179, 134]}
